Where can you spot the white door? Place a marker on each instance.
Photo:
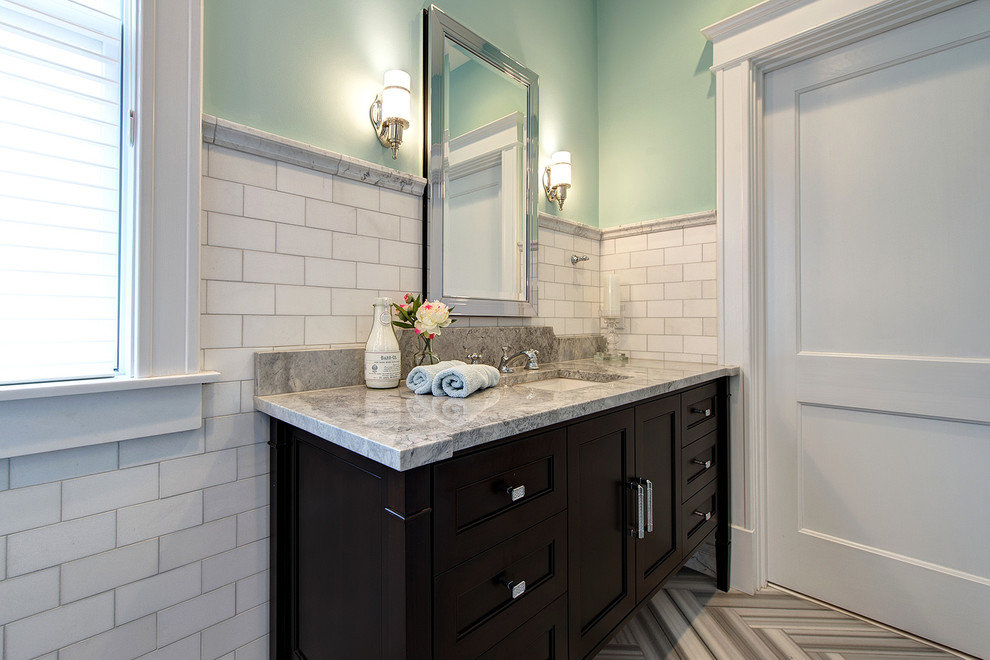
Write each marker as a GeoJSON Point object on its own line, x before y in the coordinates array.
{"type": "Point", "coordinates": [878, 297]}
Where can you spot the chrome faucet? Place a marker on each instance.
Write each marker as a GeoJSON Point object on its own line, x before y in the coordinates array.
{"type": "Point", "coordinates": [503, 365]}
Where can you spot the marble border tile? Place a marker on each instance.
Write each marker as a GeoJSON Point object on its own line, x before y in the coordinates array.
{"type": "Point", "coordinates": [225, 133]}
{"type": "Point", "coordinates": [547, 221]}
{"type": "Point", "coordinates": [661, 224]}
{"type": "Point", "coordinates": [565, 226]}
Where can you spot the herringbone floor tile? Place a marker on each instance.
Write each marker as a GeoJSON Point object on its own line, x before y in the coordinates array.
{"type": "Point", "coordinates": [690, 620]}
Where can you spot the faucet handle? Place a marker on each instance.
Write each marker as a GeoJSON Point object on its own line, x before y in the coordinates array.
{"type": "Point", "coordinates": [503, 364]}
{"type": "Point", "coordinates": [474, 357]}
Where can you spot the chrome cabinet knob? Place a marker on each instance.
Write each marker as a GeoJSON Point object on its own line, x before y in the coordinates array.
{"type": "Point", "coordinates": [705, 464]}
{"type": "Point", "coordinates": [707, 412]}
{"type": "Point", "coordinates": [517, 589]}
{"type": "Point", "coordinates": [516, 492]}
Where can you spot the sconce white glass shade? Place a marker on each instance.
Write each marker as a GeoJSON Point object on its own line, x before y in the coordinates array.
{"type": "Point", "coordinates": [396, 96]}
{"type": "Point", "coordinates": [560, 169]}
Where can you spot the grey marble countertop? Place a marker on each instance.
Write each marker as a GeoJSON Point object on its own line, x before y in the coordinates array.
{"type": "Point", "coordinates": [403, 430]}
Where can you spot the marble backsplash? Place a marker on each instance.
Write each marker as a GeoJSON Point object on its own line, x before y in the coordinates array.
{"type": "Point", "coordinates": [457, 343]}
{"type": "Point", "coordinates": [278, 372]}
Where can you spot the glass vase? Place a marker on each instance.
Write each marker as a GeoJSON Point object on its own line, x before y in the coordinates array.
{"type": "Point", "coordinates": [426, 355]}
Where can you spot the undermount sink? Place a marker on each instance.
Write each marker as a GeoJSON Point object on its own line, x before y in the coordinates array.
{"type": "Point", "coordinates": [559, 380]}
{"type": "Point", "coordinates": [558, 384]}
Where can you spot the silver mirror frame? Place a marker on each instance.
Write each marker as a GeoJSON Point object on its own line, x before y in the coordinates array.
{"type": "Point", "coordinates": [441, 27]}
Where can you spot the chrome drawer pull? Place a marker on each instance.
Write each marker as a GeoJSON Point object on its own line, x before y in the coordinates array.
{"type": "Point", "coordinates": [640, 531]}
{"type": "Point", "coordinates": [707, 464]}
{"type": "Point", "coordinates": [707, 515]}
{"type": "Point", "coordinates": [516, 588]}
{"type": "Point", "coordinates": [516, 492]}
{"type": "Point", "coordinates": [707, 412]}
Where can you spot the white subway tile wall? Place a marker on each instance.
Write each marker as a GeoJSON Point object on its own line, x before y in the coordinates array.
{"type": "Point", "coordinates": [669, 304]}
{"type": "Point", "coordinates": [164, 547]}
{"type": "Point", "coordinates": [569, 294]}
{"type": "Point", "coordinates": [158, 547]}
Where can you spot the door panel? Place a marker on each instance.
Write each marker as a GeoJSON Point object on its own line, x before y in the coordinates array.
{"type": "Point", "coordinates": [909, 125]}
{"type": "Point", "coordinates": [871, 478]}
{"type": "Point", "coordinates": [878, 326]}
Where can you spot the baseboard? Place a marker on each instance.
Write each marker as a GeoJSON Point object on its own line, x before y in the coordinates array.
{"type": "Point", "coordinates": [743, 560]}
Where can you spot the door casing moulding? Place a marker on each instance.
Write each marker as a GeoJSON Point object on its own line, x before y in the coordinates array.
{"type": "Point", "coordinates": [747, 46]}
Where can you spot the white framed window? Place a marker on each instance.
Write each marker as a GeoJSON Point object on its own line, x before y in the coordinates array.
{"type": "Point", "coordinates": [64, 173]}
{"type": "Point", "coordinates": [154, 384]}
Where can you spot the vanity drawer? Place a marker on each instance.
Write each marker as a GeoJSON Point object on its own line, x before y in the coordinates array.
{"type": "Point", "coordinates": [699, 412]}
{"type": "Point", "coordinates": [699, 465]}
{"type": "Point", "coordinates": [486, 497]}
{"type": "Point", "coordinates": [699, 516]}
{"type": "Point", "coordinates": [481, 601]}
{"type": "Point", "coordinates": [544, 637]}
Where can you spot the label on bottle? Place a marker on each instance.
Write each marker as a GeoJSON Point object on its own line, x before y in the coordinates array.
{"type": "Point", "coordinates": [382, 367]}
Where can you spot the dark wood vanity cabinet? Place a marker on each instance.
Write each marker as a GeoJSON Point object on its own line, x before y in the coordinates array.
{"type": "Point", "coordinates": [530, 548]}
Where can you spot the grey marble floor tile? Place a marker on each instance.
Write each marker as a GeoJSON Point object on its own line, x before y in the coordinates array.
{"type": "Point", "coordinates": [690, 620]}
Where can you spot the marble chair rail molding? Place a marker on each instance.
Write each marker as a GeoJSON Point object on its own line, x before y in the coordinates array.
{"type": "Point", "coordinates": [224, 133]}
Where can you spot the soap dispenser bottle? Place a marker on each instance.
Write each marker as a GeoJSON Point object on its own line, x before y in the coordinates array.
{"type": "Point", "coordinates": [382, 363]}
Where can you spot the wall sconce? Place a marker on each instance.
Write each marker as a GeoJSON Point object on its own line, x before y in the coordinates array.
{"type": "Point", "coordinates": [557, 177]}
{"type": "Point", "coordinates": [390, 111]}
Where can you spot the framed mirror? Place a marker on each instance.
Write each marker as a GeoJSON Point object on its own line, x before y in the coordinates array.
{"type": "Point", "coordinates": [481, 237]}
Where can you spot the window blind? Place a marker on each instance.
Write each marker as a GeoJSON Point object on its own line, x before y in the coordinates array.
{"type": "Point", "coordinates": [60, 155]}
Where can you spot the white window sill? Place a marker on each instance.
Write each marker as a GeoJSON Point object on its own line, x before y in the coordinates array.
{"type": "Point", "coordinates": [63, 388]}
{"type": "Point", "coordinates": [51, 416]}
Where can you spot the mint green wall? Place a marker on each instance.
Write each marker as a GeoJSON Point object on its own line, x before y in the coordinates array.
{"type": "Point", "coordinates": [624, 86]}
{"type": "Point", "coordinates": [309, 69]}
{"type": "Point", "coordinates": [656, 107]}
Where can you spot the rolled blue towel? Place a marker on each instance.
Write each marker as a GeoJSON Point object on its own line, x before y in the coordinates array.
{"type": "Point", "coordinates": [464, 380]}
{"type": "Point", "coordinates": [420, 379]}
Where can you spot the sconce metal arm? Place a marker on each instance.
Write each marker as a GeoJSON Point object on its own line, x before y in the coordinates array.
{"type": "Point", "coordinates": [554, 193]}
{"type": "Point", "coordinates": [390, 130]}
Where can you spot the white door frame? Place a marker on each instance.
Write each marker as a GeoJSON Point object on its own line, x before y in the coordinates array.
{"type": "Point", "coordinates": [747, 46]}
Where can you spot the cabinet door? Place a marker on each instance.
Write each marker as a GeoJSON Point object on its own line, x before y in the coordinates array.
{"type": "Point", "coordinates": [601, 590]}
{"type": "Point", "coordinates": [350, 556]}
{"type": "Point", "coordinates": [658, 468]}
